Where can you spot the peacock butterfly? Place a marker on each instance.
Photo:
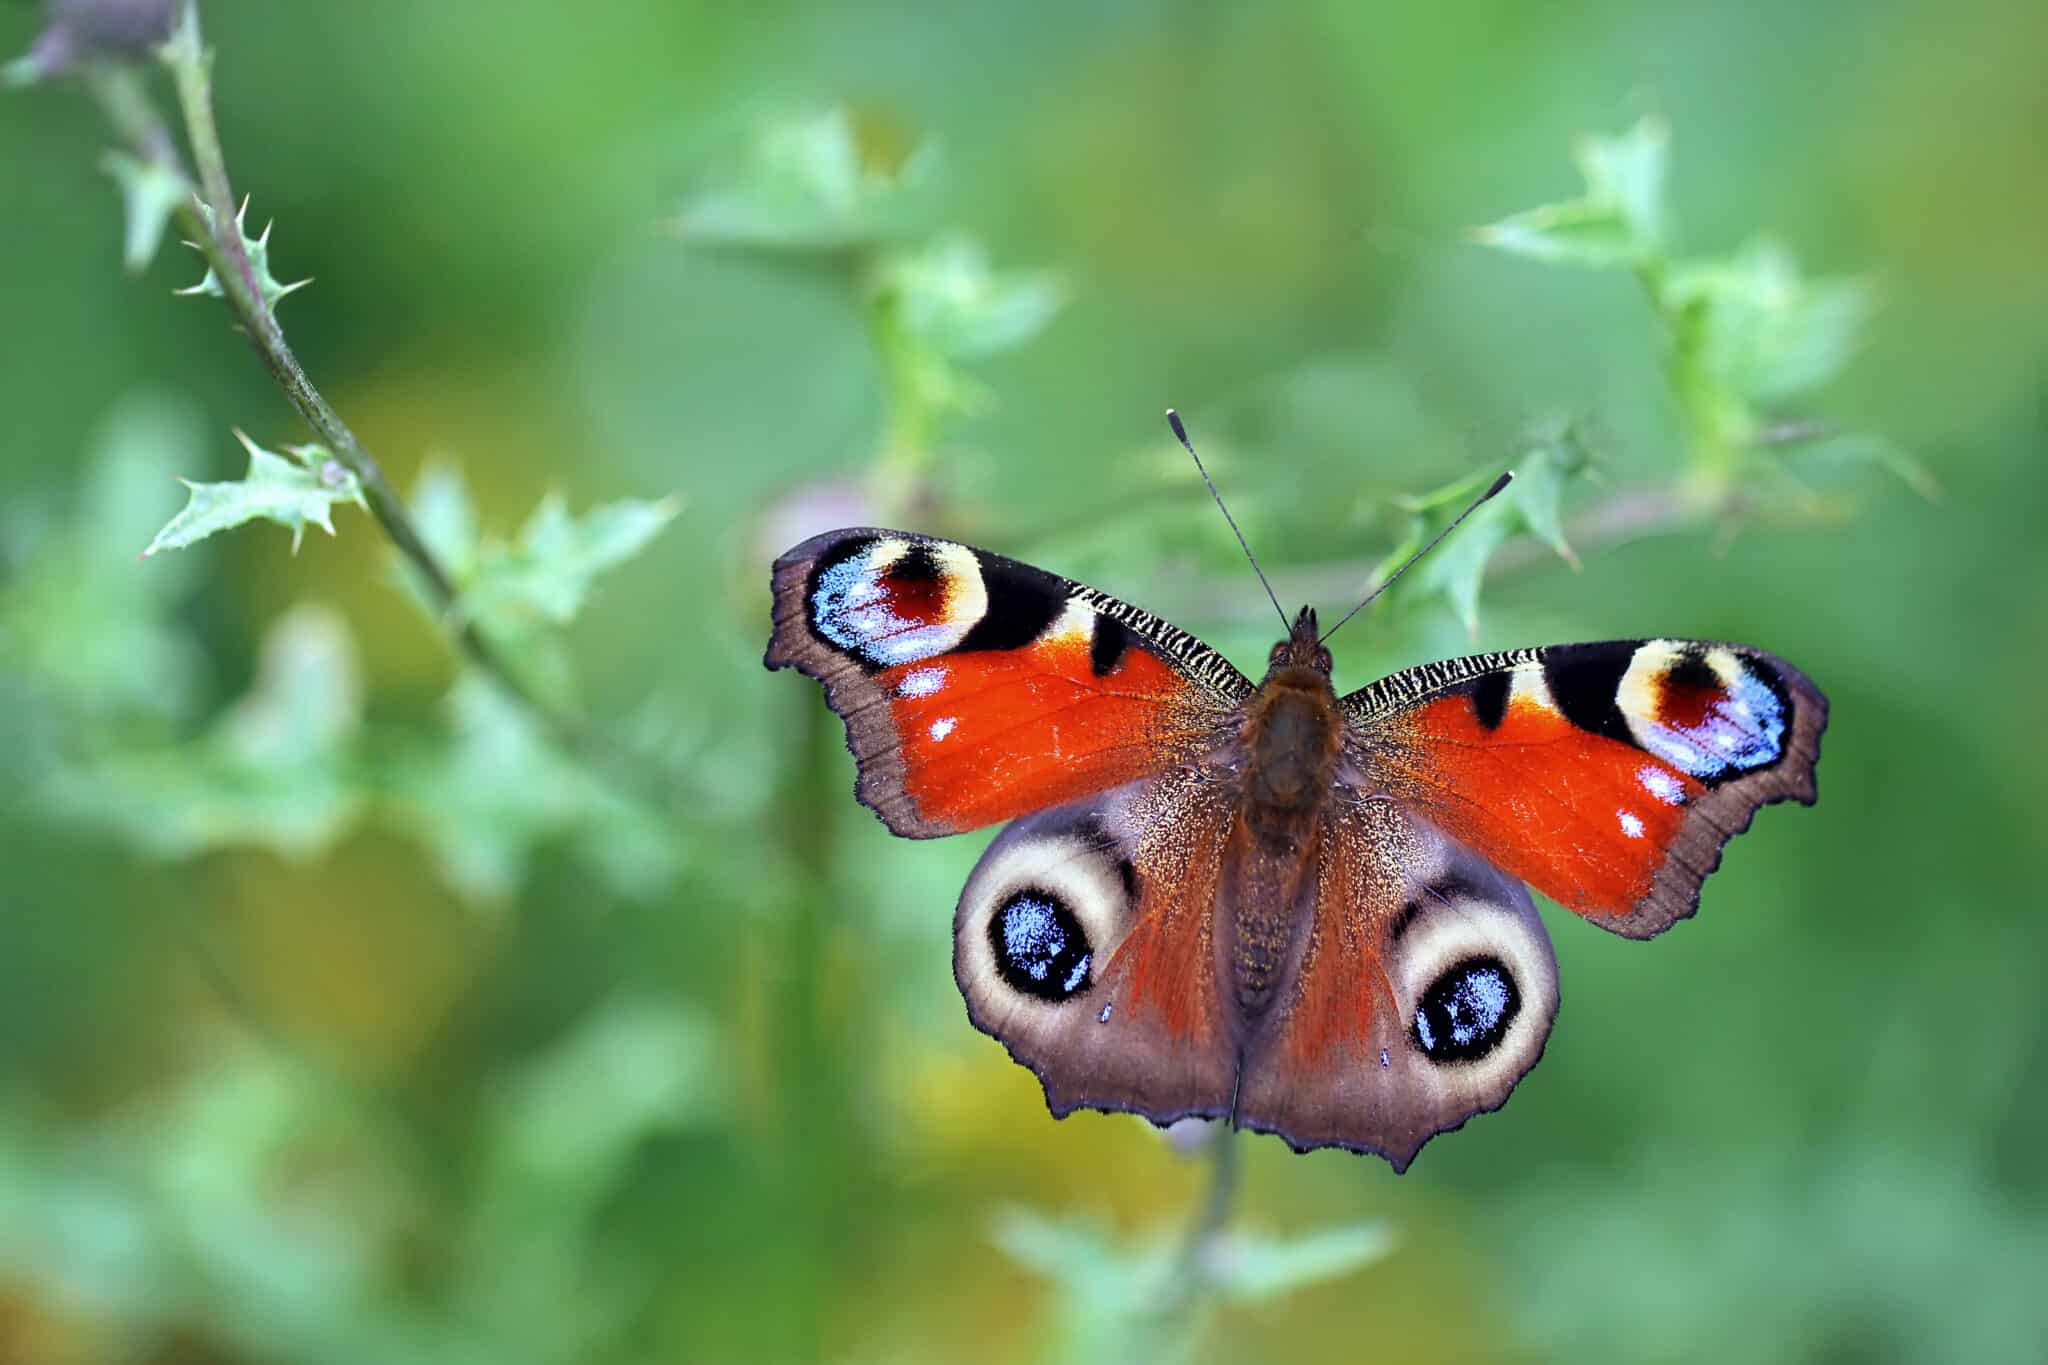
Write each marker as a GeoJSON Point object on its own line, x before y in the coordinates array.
{"type": "Point", "coordinates": [1266, 903]}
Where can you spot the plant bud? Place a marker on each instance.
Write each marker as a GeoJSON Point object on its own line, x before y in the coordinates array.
{"type": "Point", "coordinates": [115, 28]}
{"type": "Point", "coordinates": [94, 30]}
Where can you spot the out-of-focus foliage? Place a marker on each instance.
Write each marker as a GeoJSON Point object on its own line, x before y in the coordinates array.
{"type": "Point", "coordinates": [1743, 336]}
{"type": "Point", "coordinates": [290, 765]}
{"type": "Point", "coordinates": [1122, 1302]}
{"type": "Point", "coordinates": [355, 1014]}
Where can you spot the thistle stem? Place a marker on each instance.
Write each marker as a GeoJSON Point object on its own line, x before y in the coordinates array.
{"type": "Point", "coordinates": [209, 218]}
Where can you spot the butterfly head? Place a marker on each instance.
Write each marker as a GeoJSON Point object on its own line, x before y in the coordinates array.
{"type": "Point", "coordinates": [1301, 648]}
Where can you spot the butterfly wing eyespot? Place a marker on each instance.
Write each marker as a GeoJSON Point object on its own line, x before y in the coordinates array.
{"type": "Point", "coordinates": [1609, 776]}
{"type": "Point", "coordinates": [1038, 946]}
{"type": "Point", "coordinates": [1425, 991]}
{"type": "Point", "coordinates": [1044, 901]}
{"type": "Point", "coordinates": [1467, 1011]}
{"type": "Point", "coordinates": [1083, 943]}
{"type": "Point", "coordinates": [975, 689]}
{"type": "Point", "coordinates": [1476, 980]}
{"type": "Point", "coordinates": [885, 599]}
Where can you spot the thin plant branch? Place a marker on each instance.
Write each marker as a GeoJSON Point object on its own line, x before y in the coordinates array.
{"type": "Point", "coordinates": [1622, 517]}
{"type": "Point", "coordinates": [208, 215]}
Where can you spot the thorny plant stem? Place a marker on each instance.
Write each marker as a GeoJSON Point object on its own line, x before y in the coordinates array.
{"type": "Point", "coordinates": [207, 214]}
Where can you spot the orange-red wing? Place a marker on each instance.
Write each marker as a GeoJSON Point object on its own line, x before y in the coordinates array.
{"type": "Point", "coordinates": [1608, 776]}
{"type": "Point", "coordinates": [975, 689]}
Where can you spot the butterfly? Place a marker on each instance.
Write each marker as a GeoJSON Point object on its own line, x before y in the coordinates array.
{"type": "Point", "coordinates": [1303, 913]}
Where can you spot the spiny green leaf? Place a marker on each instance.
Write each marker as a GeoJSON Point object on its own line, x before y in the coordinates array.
{"type": "Point", "coordinates": [1251, 1269]}
{"type": "Point", "coordinates": [488, 797]}
{"type": "Point", "coordinates": [272, 772]}
{"type": "Point", "coordinates": [1575, 232]}
{"type": "Point", "coordinates": [634, 1067]}
{"type": "Point", "coordinates": [257, 249]}
{"type": "Point", "coordinates": [558, 1139]}
{"type": "Point", "coordinates": [547, 574]}
{"type": "Point", "coordinates": [150, 194]}
{"type": "Point", "coordinates": [1449, 498]}
{"type": "Point", "coordinates": [1455, 569]}
{"type": "Point", "coordinates": [1618, 221]}
{"type": "Point", "coordinates": [949, 298]}
{"type": "Point", "coordinates": [1763, 331]}
{"type": "Point", "coordinates": [307, 701]}
{"type": "Point", "coordinates": [1861, 448]}
{"type": "Point", "coordinates": [445, 516]}
{"type": "Point", "coordinates": [1538, 489]}
{"type": "Point", "coordinates": [1627, 172]}
{"type": "Point", "coordinates": [1074, 1252]}
{"type": "Point", "coordinates": [82, 623]}
{"type": "Point", "coordinates": [289, 491]}
{"type": "Point", "coordinates": [1124, 1301]}
{"type": "Point", "coordinates": [806, 183]}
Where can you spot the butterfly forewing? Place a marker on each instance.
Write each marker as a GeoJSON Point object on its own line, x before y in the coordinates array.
{"type": "Point", "coordinates": [976, 689]}
{"type": "Point", "coordinates": [1606, 775]}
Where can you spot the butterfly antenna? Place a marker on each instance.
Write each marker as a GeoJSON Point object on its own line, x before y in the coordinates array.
{"type": "Point", "coordinates": [1173, 420]}
{"type": "Point", "coordinates": [1502, 482]}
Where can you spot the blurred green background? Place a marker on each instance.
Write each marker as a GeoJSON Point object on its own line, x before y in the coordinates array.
{"type": "Point", "coordinates": [333, 1029]}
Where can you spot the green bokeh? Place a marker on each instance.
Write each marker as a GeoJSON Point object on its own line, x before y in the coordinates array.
{"type": "Point", "coordinates": [328, 1108]}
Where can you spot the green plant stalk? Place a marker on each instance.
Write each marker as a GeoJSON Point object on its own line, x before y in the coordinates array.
{"type": "Point", "coordinates": [910, 415]}
{"type": "Point", "coordinates": [1717, 424]}
{"type": "Point", "coordinates": [1191, 1275]}
{"type": "Point", "coordinates": [215, 230]}
{"type": "Point", "coordinates": [224, 251]}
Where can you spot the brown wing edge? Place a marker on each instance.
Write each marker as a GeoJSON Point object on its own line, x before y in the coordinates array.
{"type": "Point", "coordinates": [1164, 1117]}
{"type": "Point", "coordinates": [1402, 1160]}
{"type": "Point", "coordinates": [849, 691]}
{"type": "Point", "coordinates": [1728, 810]}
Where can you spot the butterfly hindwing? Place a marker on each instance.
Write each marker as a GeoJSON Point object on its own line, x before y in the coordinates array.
{"type": "Point", "coordinates": [1422, 991]}
{"type": "Point", "coordinates": [975, 688]}
{"type": "Point", "coordinates": [1606, 775]}
{"type": "Point", "coordinates": [1085, 942]}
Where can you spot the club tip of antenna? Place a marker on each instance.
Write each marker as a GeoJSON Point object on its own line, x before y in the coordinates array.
{"type": "Point", "coordinates": [1173, 420]}
{"type": "Point", "coordinates": [1507, 476]}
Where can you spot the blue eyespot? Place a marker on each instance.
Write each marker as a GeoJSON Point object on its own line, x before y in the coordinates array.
{"type": "Point", "coordinates": [1039, 946]}
{"type": "Point", "coordinates": [1742, 729]}
{"type": "Point", "coordinates": [1466, 1011]}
